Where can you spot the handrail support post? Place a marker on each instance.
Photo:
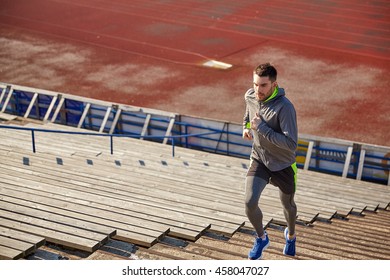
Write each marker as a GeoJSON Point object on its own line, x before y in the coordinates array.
{"type": "Point", "coordinates": [112, 144]}
{"type": "Point", "coordinates": [33, 140]}
{"type": "Point", "coordinates": [173, 146]}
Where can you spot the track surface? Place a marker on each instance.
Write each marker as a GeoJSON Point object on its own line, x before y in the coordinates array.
{"type": "Point", "coordinates": [333, 57]}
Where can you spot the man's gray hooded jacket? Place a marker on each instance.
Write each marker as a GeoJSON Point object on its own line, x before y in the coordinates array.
{"type": "Point", "coordinates": [276, 138]}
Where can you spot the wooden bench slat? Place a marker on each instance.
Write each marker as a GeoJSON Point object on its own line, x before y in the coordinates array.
{"type": "Point", "coordinates": [37, 240]}
{"type": "Point", "coordinates": [52, 235]}
{"type": "Point", "coordinates": [25, 247]}
{"type": "Point", "coordinates": [7, 253]}
{"type": "Point", "coordinates": [99, 217]}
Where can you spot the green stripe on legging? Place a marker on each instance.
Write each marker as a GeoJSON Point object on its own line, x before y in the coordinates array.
{"type": "Point", "coordinates": [295, 169]}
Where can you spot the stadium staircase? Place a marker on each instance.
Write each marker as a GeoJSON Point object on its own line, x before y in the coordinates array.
{"type": "Point", "coordinates": [74, 199]}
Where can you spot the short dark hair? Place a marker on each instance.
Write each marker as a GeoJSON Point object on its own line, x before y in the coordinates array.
{"type": "Point", "coordinates": [266, 69]}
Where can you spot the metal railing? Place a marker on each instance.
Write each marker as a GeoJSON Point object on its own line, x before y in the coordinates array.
{"type": "Point", "coordinates": [334, 156]}
{"type": "Point", "coordinates": [33, 130]}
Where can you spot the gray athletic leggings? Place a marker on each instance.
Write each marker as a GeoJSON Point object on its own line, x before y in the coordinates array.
{"type": "Point", "coordinates": [254, 186]}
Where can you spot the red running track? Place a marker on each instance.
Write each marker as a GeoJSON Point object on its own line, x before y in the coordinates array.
{"type": "Point", "coordinates": [333, 56]}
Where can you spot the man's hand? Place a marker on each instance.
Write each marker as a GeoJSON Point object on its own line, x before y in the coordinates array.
{"type": "Point", "coordinates": [255, 122]}
{"type": "Point", "coordinates": [247, 134]}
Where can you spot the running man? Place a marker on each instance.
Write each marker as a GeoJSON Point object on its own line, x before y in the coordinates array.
{"type": "Point", "coordinates": [270, 121]}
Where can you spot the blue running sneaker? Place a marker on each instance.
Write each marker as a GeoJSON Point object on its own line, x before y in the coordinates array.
{"type": "Point", "coordinates": [289, 248]}
{"type": "Point", "coordinates": [258, 247]}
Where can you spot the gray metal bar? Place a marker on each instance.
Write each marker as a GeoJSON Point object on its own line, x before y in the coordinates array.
{"type": "Point", "coordinates": [7, 100]}
{"type": "Point", "coordinates": [169, 130]}
{"type": "Point", "coordinates": [31, 105]}
{"type": "Point", "coordinates": [104, 122]}
{"type": "Point", "coordinates": [347, 162]}
{"type": "Point", "coordinates": [53, 101]}
{"type": "Point", "coordinates": [84, 115]}
{"type": "Point", "coordinates": [58, 109]}
{"type": "Point", "coordinates": [145, 127]}
{"type": "Point", "coordinates": [115, 121]}
{"type": "Point", "coordinates": [361, 165]}
{"type": "Point", "coordinates": [308, 155]}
